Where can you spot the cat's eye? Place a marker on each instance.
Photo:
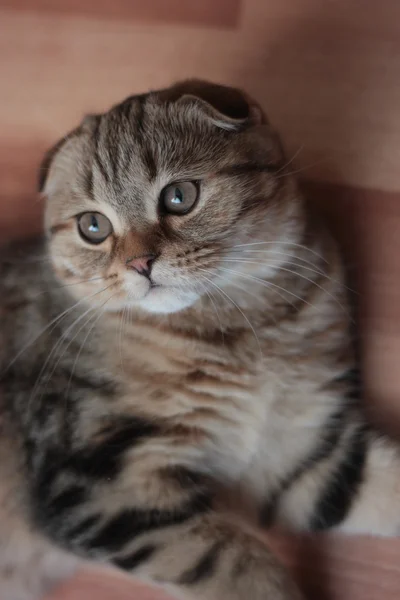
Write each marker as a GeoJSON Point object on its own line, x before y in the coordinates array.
{"type": "Point", "coordinates": [94, 227]}
{"type": "Point", "coordinates": [179, 198]}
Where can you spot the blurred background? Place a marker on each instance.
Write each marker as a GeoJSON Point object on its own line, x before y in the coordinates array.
{"type": "Point", "coordinates": [327, 73]}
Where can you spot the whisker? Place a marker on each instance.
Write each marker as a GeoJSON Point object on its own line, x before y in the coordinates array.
{"type": "Point", "coordinates": [277, 252]}
{"type": "Point", "coordinates": [53, 351]}
{"type": "Point", "coordinates": [295, 245]}
{"type": "Point", "coordinates": [255, 295]}
{"type": "Point", "coordinates": [317, 271]}
{"type": "Point", "coordinates": [59, 342]}
{"type": "Point", "coordinates": [267, 284]}
{"type": "Point", "coordinates": [289, 162]}
{"type": "Point", "coordinates": [327, 292]}
{"type": "Point", "coordinates": [238, 308]}
{"type": "Point", "coordinates": [209, 294]}
{"type": "Point", "coordinates": [304, 168]}
{"type": "Point", "coordinates": [278, 266]}
{"type": "Point", "coordinates": [58, 287]}
{"type": "Point", "coordinates": [102, 310]}
{"type": "Point", "coordinates": [53, 322]}
{"type": "Point", "coordinates": [130, 316]}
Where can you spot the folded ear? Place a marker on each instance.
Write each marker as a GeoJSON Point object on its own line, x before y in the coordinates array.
{"type": "Point", "coordinates": [228, 107]}
{"type": "Point", "coordinates": [87, 124]}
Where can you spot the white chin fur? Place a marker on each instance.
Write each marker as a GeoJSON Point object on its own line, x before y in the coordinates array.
{"type": "Point", "coordinates": [167, 300]}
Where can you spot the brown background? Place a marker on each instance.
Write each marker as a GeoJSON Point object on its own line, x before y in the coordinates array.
{"type": "Point", "coordinates": [328, 73]}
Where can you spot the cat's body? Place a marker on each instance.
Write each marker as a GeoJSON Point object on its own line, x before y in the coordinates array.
{"type": "Point", "coordinates": [241, 376]}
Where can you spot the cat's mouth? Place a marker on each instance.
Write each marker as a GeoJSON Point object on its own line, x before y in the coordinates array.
{"type": "Point", "coordinates": [155, 287]}
{"type": "Point", "coordinates": [163, 298]}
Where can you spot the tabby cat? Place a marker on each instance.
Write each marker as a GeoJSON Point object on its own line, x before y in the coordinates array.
{"type": "Point", "coordinates": [182, 328]}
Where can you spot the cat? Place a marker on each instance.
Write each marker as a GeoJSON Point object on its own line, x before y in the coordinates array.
{"type": "Point", "coordinates": [183, 326]}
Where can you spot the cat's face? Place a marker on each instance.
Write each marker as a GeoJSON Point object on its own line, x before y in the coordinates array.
{"type": "Point", "coordinates": [151, 205]}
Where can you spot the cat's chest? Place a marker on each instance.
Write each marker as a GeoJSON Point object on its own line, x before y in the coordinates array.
{"type": "Point", "coordinates": [192, 373]}
{"type": "Point", "coordinates": [194, 386]}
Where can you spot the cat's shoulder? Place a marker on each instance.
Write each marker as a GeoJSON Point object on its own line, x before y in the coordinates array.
{"type": "Point", "coordinates": [21, 261]}
{"type": "Point", "coordinates": [24, 269]}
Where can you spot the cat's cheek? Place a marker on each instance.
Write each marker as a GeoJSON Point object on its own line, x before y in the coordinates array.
{"type": "Point", "coordinates": [167, 300]}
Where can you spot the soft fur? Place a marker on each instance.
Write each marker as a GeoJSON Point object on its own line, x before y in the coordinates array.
{"type": "Point", "coordinates": [127, 401]}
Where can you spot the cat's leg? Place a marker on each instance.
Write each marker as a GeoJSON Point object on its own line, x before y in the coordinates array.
{"type": "Point", "coordinates": [209, 558]}
{"type": "Point", "coordinates": [354, 487]}
{"type": "Point", "coordinates": [111, 501]}
{"type": "Point", "coordinates": [30, 565]}
{"type": "Point", "coordinates": [375, 508]}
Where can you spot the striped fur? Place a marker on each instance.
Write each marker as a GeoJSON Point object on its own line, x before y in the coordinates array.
{"type": "Point", "coordinates": [128, 402]}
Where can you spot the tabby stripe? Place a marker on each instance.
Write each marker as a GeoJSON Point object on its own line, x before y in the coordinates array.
{"type": "Point", "coordinates": [83, 526]}
{"type": "Point", "coordinates": [352, 378]}
{"type": "Point", "coordinates": [102, 461]}
{"type": "Point", "coordinates": [100, 384]}
{"type": "Point", "coordinates": [130, 523]}
{"type": "Point", "coordinates": [132, 561]}
{"type": "Point", "coordinates": [185, 477]}
{"type": "Point", "coordinates": [331, 434]}
{"type": "Point", "coordinates": [147, 155]}
{"type": "Point", "coordinates": [124, 109]}
{"type": "Point", "coordinates": [205, 567]}
{"type": "Point", "coordinates": [150, 164]}
{"type": "Point", "coordinates": [341, 488]}
{"type": "Point", "coordinates": [114, 154]}
{"type": "Point", "coordinates": [250, 167]}
{"type": "Point", "coordinates": [88, 184]}
{"type": "Point", "coordinates": [102, 168]}
{"type": "Point", "coordinates": [120, 129]}
{"type": "Point", "coordinates": [139, 120]}
{"type": "Point", "coordinates": [241, 565]}
{"type": "Point", "coordinates": [49, 468]}
{"type": "Point", "coordinates": [66, 500]}
{"type": "Point", "coordinates": [43, 412]}
{"type": "Point", "coordinates": [60, 227]}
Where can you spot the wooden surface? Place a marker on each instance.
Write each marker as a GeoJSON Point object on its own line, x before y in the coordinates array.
{"type": "Point", "coordinates": [328, 73]}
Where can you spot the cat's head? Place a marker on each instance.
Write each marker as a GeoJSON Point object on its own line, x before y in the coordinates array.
{"type": "Point", "coordinates": [162, 198]}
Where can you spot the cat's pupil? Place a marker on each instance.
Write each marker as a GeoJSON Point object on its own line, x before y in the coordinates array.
{"type": "Point", "coordinates": [178, 197]}
{"type": "Point", "coordinates": [94, 226]}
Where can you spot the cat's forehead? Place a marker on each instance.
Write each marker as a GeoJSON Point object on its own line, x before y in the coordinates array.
{"type": "Point", "coordinates": [155, 137]}
{"type": "Point", "coordinates": [142, 145]}
{"type": "Point", "coordinates": [123, 159]}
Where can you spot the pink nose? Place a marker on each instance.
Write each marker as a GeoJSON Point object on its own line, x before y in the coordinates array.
{"type": "Point", "coordinates": [141, 264]}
